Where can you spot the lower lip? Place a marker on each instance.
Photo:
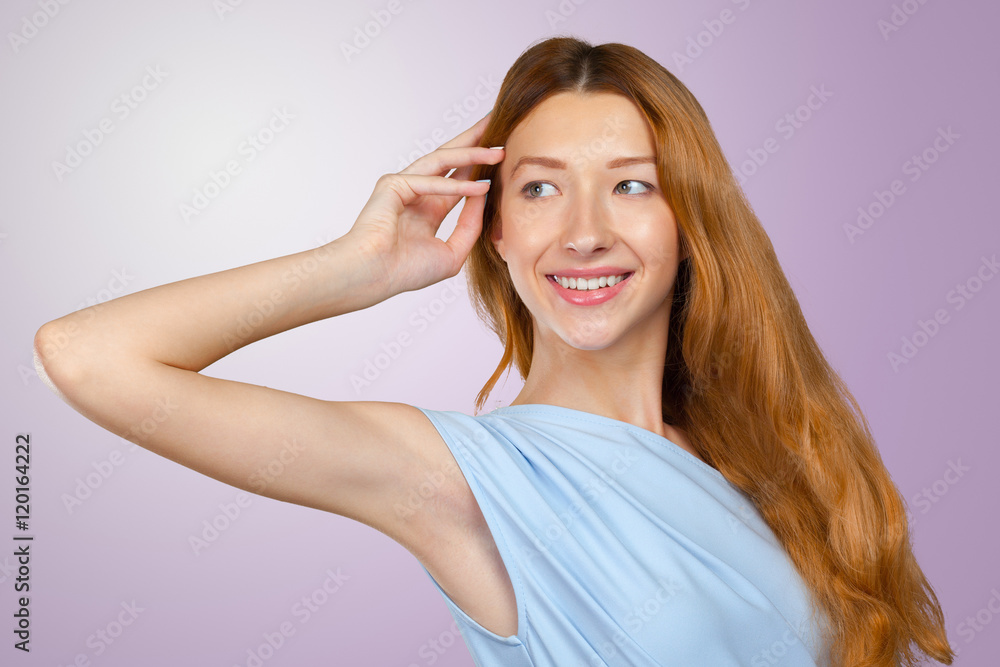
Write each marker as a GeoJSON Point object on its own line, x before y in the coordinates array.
{"type": "Point", "coordinates": [589, 297]}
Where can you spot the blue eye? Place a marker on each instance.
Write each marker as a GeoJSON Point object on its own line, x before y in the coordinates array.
{"type": "Point", "coordinates": [532, 187]}
{"type": "Point", "coordinates": [631, 192]}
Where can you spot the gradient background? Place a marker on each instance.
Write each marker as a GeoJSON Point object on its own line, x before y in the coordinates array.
{"type": "Point", "coordinates": [112, 226]}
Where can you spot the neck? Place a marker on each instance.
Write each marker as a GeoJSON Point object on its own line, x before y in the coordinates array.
{"type": "Point", "coordinates": [623, 381]}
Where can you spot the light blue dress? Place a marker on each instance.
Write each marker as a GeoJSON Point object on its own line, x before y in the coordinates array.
{"type": "Point", "coordinates": [623, 549]}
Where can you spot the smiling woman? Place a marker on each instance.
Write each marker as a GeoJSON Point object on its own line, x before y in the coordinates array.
{"type": "Point", "coordinates": [579, 224]}
{"type": "Point", "coordinates": [683, 478]}
{"type": "Point", "coordinates": [702, 340]}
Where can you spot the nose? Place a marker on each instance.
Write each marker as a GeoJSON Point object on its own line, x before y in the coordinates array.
{"type": "Point", "coordinates": [588, 230]}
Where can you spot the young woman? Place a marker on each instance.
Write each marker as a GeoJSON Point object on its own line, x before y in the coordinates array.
{"type": "Point", "coordinates": [683, 478]}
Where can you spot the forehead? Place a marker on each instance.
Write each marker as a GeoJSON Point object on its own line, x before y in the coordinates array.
{"type": "Point", "coordinates": [574, 127]}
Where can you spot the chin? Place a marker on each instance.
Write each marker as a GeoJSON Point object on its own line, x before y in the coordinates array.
{"type": "Point", "coordinates": [581, 339]}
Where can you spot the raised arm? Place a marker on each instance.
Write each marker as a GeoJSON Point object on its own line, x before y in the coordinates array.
{"type": "Point", "coordinates": [132, 365]}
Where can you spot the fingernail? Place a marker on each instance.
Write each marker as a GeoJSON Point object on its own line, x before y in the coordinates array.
{"type": "Point", "coordinates": [493, 148]}
{"type": "Point", "coordinates": [487, 193]}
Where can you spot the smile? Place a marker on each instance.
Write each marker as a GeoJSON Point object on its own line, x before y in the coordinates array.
{"type": "Point", "coordinates": [584, 284]}
{"type": "Point", "coordinates": [589, 291]}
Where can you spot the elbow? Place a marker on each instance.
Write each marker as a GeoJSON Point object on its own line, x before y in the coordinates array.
{"type": "Point", "coordinates": [53, 355]}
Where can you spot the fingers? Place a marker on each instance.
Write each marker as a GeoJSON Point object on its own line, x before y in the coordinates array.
{"type": "Point", "coordinates": [472, 135]}
{"type": "Point", "coordinates": [462, 159]}
{"type": "Point", "coordinates": [470, 138]}
{"type": "Point", "coordinates": [409, 187]}
{"type": "Point", "coordinates": [468, 228]}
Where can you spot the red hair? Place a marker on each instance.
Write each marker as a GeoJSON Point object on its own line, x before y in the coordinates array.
{"type": "Point", "coordinates": [744, 377]}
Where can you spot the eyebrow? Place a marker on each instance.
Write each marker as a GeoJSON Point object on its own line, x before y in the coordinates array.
{"type": "Point", "coordinates": [554, 163]}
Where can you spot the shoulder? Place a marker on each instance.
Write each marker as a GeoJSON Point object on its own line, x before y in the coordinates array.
{"type": "Point", "coordinates": [446, 530]}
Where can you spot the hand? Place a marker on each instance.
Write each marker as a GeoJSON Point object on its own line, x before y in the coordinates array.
{"type": "Point", "coordinates": [399, 223]}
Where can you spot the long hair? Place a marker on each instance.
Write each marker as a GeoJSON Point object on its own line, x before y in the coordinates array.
{"type": "Point", "coordinates": [744, 376]}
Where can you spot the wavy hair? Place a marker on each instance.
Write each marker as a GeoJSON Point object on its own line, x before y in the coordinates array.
{"type": "Point", "coordinates": [744, 376]}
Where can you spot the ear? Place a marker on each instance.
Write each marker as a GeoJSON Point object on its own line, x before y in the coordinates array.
{"type": "Point", "coordinates": [497, 239]}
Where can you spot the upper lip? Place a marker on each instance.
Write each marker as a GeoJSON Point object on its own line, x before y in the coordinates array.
{"type": "Point", "coordinates": [595, 272]}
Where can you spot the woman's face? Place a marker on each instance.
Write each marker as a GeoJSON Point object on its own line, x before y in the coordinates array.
{"type": "Point", "coordinates": [582, 204]}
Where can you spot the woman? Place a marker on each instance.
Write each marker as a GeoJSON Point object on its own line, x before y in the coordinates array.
{"type": "Point", "coordinates": [683, 478]}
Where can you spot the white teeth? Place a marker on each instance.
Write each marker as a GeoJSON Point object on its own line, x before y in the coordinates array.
{"type": "Point", "coordinates": [584, 284]}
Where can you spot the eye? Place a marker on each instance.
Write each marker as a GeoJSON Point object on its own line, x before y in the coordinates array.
{"type": "Point", "coordinates": [534, 187]}
{"type": "Point", "coordinates": [631, 187]}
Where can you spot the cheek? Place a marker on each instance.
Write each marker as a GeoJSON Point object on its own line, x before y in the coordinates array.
{"type": "Point", "coordinates": [525, 238]}
{"type": "Point", "coordinates": [658, 241]}
{"type": "Point", "coordinates": [524, 258]}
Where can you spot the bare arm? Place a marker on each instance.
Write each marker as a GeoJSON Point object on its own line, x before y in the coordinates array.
{"type": "Point", "coordinates": [132, 365]}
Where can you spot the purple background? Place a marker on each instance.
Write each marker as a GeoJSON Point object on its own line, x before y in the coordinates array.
{"type": "Point", "coordinates": [112, 226]}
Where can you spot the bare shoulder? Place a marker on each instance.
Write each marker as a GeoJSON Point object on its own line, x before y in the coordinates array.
{"type": "Point", "coordinates": [393, 470]}
{"type": "Point", "coordinates": [380, 463]}
{"type": "Point", "coordinates": [436, 517]}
